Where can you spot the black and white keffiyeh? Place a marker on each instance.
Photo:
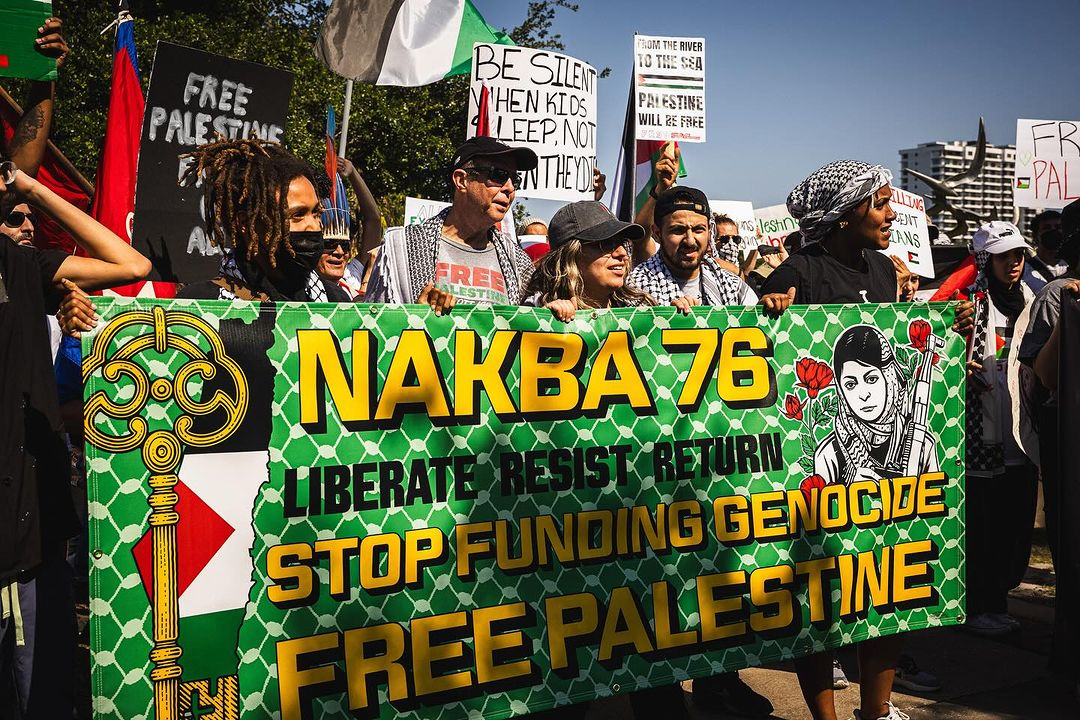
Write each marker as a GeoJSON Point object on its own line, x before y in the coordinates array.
{"type": "Point", "coordinates": [230, 270]}
{"type": "Point", "coordinates": [819, 201]}
{"type": "Point", "coordinates": [422, 255]}
{"type": "Point", "coordinates": [653, 277]}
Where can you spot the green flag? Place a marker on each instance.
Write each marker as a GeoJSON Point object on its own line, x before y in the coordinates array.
{"type": "Point", "coordinates": [19, 23]}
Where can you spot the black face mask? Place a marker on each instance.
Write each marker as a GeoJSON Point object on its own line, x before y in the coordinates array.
{"type": "Point", "coordinates": [308, 246]}
{"type": "Point", "coordinates": [1052, 239]}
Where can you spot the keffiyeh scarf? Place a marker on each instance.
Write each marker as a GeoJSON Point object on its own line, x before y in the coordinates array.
{"type": "Point", "coordinates": [230, 270]}
{"type": "Point", "coordinates": [819, 201]}
{"type": "Point", "coordinates": [858, 438]}
{"type": "Point", "coordinates": [653, 277]}
{"type": "Point", "coordinates": [422, 255]}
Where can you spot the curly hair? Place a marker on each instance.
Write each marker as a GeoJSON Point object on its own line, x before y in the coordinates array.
{"type": "Point", "coordinates": [557, 277]}
{"type": "Point", "coordinates": [245, 200]}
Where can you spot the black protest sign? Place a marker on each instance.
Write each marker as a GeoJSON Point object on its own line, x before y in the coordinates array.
{"type": "Point", "coordinates": [545, 101]}
{"type": "Point", "coordinates": [194, 98]}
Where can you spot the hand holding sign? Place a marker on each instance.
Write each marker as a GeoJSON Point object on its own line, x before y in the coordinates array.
{"type": "Point", "coordinates": [51, 43]}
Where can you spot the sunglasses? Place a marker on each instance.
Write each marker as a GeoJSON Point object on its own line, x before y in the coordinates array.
{"type": "Point", "coordinates": [607, 247]}
{"type": "Point", "coordinates": [16, 218]}
{"type": "Point", "coordinates": [331, 244]}
{"type": "Point", "coordinates": [496, 175]}
{"type": "Point", "coordinates": [725, 239]}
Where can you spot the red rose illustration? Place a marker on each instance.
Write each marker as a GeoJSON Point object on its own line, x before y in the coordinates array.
{"type": "Point", "coordinates": [807, 485]}
{"type": "Point", "coordinates": [793, 408]}
{"type": "Point", "coordinates": [814, 375]}
{"type": "Point", "coordinates": [919, 334]}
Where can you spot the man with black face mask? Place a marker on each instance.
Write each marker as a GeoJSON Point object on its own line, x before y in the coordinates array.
{"type": "Point", "coordinates": [262, 206]}
{"type": "Point", "coordinates": [1047, 265]}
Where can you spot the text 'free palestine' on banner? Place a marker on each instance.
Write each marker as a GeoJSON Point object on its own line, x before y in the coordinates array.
{"type": "Point", "coordinates": [372, 509]}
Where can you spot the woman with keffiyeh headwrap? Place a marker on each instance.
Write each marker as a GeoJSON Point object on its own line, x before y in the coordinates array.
{"type": "Point", "coordinates": [1001, 488]}
{"type": "Point", "coordinates": [845, 218]}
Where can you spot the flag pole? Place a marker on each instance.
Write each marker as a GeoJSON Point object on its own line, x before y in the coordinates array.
{"type": "Point", "coordinates": [345, 118]}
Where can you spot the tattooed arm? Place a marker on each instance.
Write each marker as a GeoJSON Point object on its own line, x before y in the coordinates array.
{"type": "Point", "coordinates": [31, 138]}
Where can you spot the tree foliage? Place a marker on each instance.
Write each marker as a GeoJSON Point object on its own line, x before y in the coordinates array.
{"type": "Point", "coordinates": [401, 139]}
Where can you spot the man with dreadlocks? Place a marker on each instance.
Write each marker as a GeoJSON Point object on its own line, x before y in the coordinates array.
{"type": "Point", "coordinates": [261, 205]}
{"type": "Point", "coordinates": [460, 255]}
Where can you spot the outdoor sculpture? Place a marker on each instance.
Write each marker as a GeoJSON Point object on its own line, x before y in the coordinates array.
{"type": "Point", "coordinates": [944, 190]}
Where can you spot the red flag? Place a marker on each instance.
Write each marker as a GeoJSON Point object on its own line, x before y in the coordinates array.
{"type": "Point", "coordinates": [114, 186]}
{"type": "Point", "coordinates": [961, 278]}
{"type": "Point", "coordinates": [483, 122]}
{"type": "Point", "coordinates": [55, 173]}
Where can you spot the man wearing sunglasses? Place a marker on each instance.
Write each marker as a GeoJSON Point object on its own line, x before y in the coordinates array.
{"type": "Point", "coordinates": [18, 224]}
{"type": "Point", "coordinates": [332, 262]}
{"type": "Point", "coordinates": [460, 255]}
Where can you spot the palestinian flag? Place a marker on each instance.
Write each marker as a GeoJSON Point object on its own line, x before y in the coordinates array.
{"type": "Point", "coordinates": [535, 246]}
{"type": "Point", "coordinates": [214, 535]}
{"type": "Point", "coordinates": [217, 489]}
{"type": "Point", "coordinates": [402, 42]}
{"type": "Point", "coordinates": [648, 153]}
{"type": "Point", "coordinates": [633, 169]}
{"type": "Point", "coordinates": [962, 277]}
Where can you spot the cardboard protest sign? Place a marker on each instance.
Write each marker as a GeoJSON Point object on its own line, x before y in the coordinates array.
{"type": "Point", "coordinates": [742, 212]}
{"type": "Point", "coordinates": [775, 224]}
{"type": "Point", "coordinates": [669, 88]}
{"type": "Point", "coordinates": [1047, 170]}
{"type": "Point", "coordinates": [910, 239]}
{"type": "Point", "coordinates": [193, 98]}
{"type": "Point", "coordinates": [19, 23]}
{"type": "Point", "coordinates": [373, 510]}
{"type": "Point", "coordinates": [545, 101]}
{"type": "Point", "coordinates": [417, 210]}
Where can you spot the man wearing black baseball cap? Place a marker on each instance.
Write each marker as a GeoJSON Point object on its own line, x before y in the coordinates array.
{"type": "Point", "coordinates": [684, 271]}
{"type": "Point", "coordinates": [459, 255]}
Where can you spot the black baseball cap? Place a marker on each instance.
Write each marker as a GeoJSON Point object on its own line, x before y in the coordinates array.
{"type": "Point", "coordinates": [589, 221]}
{"type": "Point", "coordinates": [524, 158]}
{"type": "Point", "coordinates": [680, 198]}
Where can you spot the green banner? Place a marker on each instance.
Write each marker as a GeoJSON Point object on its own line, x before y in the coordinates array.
{"type": "Point", "coordinates": [19, 23]}
{"type": "Point", "coordinates": [311, 510]}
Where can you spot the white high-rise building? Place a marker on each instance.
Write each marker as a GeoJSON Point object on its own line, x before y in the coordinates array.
{"type": "Point", "coordinates": [989, 195]}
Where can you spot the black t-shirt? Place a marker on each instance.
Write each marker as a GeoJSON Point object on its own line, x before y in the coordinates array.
{"type": "Point", "coordinates": [35, 483]}
{"type": "Point", "coordinates": [820, 278]}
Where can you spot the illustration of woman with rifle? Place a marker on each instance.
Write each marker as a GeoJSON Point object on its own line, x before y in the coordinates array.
{"type": "Point", "coordinates": [880, 429]}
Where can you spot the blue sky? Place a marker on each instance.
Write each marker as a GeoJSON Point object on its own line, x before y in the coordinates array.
{"type": "Point", "coordinates": [792, 85]}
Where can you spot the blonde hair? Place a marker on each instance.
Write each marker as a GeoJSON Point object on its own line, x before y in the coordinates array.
{"type": "Point", "coordinates": [557, 277]}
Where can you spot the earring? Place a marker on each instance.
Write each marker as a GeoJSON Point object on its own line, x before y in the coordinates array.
{"type": "Point", "coordinates": [843, 224]}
